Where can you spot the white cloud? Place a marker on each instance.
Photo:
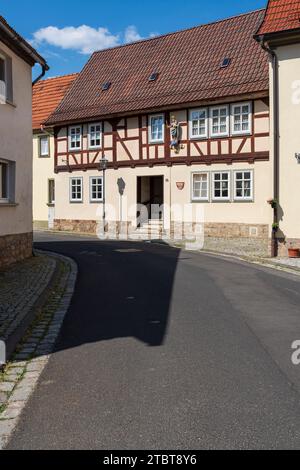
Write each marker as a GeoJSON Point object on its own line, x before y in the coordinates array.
{"type": "Point", "coordinates": [84, 39]}
{"type": "Point", "coordinates": [131, 34]}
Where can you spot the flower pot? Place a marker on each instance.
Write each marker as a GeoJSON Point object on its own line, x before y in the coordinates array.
{"type": "Point", "coordinates": [294, 253]}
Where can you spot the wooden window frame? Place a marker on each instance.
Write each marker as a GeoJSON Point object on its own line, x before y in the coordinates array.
{"type": "Point", "coordinates": [199, 136]}
{"type": "Point", "coordinates": [219, 134]}
{"type": "Point", "coordinates": [40, 146]}
{"type": "Point", "coordinates": [241, 132]}
{"type": "Point", "coordinates": [200, 199]}
{"type": "Point", "coordinates": [158, 141]}
{"type": "Point", "coordinates": [74, 149]}
{"type": "Point", "coordinates": [92, 147]}
{"type": "Point", "coordinates": [220, 199]}
{"type": "Point", "coordinates": [91, 189]}
{"type": "Point", "coordinates": [243, 198]}
{"type": "Point", "coordinates": [71, 200]}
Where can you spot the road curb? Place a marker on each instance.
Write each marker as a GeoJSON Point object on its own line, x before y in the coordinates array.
{"type": "Point", "coordinates": [22, 375]}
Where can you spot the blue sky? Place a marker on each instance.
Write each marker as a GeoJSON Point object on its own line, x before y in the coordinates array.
{"type": "Point", "coordinates": [66, 32]}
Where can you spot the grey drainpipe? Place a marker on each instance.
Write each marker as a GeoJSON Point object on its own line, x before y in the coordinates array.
{"type": "Point", "coordinates": [274, 58]}
{"type": "Point", "coordinates": [44, 70]}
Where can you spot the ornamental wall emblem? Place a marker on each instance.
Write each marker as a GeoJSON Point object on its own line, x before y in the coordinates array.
{"type": "Point", "coordinates": [180, 185]}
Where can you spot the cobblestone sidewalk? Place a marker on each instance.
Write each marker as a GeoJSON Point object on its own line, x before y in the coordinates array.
{"type": "Point", "coordinates": [21, 374]}
{"type": "Point", "coordinates": [20, 288]}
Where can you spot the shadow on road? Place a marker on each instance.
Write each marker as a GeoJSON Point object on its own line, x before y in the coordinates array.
{"type": "Point", "coordinates": [123, 290]}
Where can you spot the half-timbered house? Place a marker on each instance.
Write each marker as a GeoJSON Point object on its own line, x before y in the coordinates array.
{"type": "Point", "coordinates": [207, 88]}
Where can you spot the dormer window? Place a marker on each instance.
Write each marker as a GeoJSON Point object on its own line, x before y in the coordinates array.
{"type": "Point", "coordinates": [226, 62]}
{"type": "Point", "coordinates": [153, 77]}
{"type": "Point", "coordinates": [106, 86]}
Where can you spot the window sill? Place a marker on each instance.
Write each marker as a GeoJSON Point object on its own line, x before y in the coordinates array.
{"type": "Point", "coordinates": [8, 204]}
{"type": "Point", "coordinates": [52, 204]}
{"type": "Point", "coordinates": [44, 156]}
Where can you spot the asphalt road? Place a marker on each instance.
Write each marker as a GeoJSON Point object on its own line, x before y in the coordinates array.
{"type": "Point", "coordinates": [163, 349]}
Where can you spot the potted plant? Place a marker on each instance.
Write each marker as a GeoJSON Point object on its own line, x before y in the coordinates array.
{"type": "Point", "coordinates": [273, 203]}
{"type": "Point", "coordinates": [294, 252]}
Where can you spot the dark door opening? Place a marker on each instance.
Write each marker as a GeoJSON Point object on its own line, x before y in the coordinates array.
{"type": "Point", "coordinates": [150, 194]}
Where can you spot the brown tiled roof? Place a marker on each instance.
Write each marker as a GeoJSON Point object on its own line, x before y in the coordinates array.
{"type": "Point", "coordinates": [189, 67]}
{"type": "Point", "coordinates": [47, 94]}
{"type": "Point", "coordinates": [21, 43]}
{"type": "Point", "coordinates": [281, 15]}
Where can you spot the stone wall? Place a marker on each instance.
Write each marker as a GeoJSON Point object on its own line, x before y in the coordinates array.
{"type": "Point", "coordinates": [14, 248]}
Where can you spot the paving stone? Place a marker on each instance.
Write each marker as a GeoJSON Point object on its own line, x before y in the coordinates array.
{"type": "Point", "coordinates": [7, 386]}
{"type": "Point", "coordinates": [6, 427]}
{"type": "Point", "coordinates": [3, 398]}
{"type": "Point", "coordinates": [20, 394]}
{"type": "Point", "coordinates": [12, 410]}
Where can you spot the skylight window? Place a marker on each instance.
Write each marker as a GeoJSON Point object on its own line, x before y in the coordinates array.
{"type": "Point", "coordinates": [106, 86]}
{"type": "Point", "coordinates": [226, 62]}
{"type": "Point", "coordinates": [153, 77]}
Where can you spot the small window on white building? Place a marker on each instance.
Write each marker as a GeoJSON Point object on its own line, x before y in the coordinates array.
{"type": "Point", "coordinates": [241, 115]}
{"type": "Point", "coordinates": [156, 129]}
{"type": "Point", "coordinates": [76, 190]}
{"type": "Point", "coordinates": [6, 81]}
{"type": "Point", "coordinates": [198, 123]}
{"type": "Point", "coordinates": [221, 186]}
{"type": "Point", "coordinates": [75, 138]}
{"type": "Point", "coordinates": [51, 192]}
{"type": "Point", "coordinates": [200, 187]}
{"type": "Point", "coordinates": [95, 135]}
{"type": "Point", "coordinates": [44, 146]}
{"type": "Point", "coordinates": [243, 185]}
{"type": "Point", "coordinates": [219, 121]}
{"type": "Point", "coordinates": [96, 188]}
{"type": "Point", "coordinates": [4, 178]}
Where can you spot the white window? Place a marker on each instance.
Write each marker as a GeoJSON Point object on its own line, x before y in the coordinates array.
{"type": "Point", "coordinates": [96, 188]}
{"type": "Point", "coordinates": [76, 190]}
{"type": "Point", "coordinates": [4, 170]}
{"type": "Point", "coordinates": [219, 121]}
{"type": "Point", "coordinates": [6, 85]}
{"type": "Point", "coordinates": [44, 146]}
{"type": "Point", "coordinates": [198, 123]}
{"type": "Point", "coordinates": [241, 115]}
{"type": "Point", "coordinates": [75, 138]}
{"type": "Point", "coordinates": [200, 187]}
{"type": "Point", "coordinates": [221, 186]}
{"type": "Point", "coordinates": [156, 128]}
{"type": "Point", "coordinates": [95, 135]}
{"type": "Point", "coordinates": [243, 185]}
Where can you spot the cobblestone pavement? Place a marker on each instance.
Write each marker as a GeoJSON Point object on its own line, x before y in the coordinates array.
{"type": "Point", "coordinates": [21, 374]}
{"type": "Point", "coordinates": [20, 287]}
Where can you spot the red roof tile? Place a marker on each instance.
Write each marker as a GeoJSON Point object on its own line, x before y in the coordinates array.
{"type": "Point", "coordinates": [47, 94]}
{"type": "Point", "coordinates": [189, 66]}
{"type": "Point", "coordinates": [281, 15]}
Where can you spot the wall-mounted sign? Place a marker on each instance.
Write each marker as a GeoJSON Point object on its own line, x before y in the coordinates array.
{"type": "Point", "coordinates": [180, 186]}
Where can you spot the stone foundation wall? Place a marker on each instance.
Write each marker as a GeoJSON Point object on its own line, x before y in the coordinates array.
{"type": "Point", "coordinates": [14, 248]}
{"type": "Point", "coordinates": [241, 239]}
